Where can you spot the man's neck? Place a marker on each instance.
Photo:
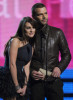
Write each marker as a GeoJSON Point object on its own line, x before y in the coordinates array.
{"type": "Point", "coordinates": [40, 26]}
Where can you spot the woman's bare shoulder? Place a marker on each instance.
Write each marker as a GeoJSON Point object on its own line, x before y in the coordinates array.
{"type": "Point", "coordinates": [15, 42]}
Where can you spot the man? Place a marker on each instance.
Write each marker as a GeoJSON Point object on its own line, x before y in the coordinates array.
{"type": "Point", "coordinates": [49, 41]}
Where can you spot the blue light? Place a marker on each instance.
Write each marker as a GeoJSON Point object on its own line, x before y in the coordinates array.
{"type": "Point", "coordinates": [45, 98]}
{"type": "Point", "coordinates": [65, 98]}
{"type": "Point", "coordinates": [68, 87]}
{"type": "Point", "coordinates": [1, 99]}
{"type": "Point", "coordinates": [68, 73]}
{"type": "Point", "coordinates": [68, 98]}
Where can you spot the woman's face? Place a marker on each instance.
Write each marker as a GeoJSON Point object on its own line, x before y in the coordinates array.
{"type": "Point", "coordinates": [29, 30]}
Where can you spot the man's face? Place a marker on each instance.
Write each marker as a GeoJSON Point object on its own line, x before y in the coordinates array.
{"type": "Point", "coordinates": [41, 15]}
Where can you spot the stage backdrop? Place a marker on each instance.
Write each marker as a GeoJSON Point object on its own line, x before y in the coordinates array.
{"type": "Point", "coordinates": [12, 11]}
{"type": "Point", "coordinates": [60, 13]}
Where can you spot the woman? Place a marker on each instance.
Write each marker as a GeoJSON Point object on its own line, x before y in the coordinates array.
{"type": "Point", "coordinates": [18, 52]}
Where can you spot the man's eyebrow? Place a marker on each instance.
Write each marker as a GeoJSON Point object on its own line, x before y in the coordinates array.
{"type": "Point", "coordinates": [39, 14]}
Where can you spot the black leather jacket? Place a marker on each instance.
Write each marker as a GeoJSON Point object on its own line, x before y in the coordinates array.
{"type": "Point", "coordinates": [49, 41]}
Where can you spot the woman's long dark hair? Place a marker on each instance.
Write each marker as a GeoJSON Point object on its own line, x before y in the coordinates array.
{"type": "Point", "coordinates": [20, 34]}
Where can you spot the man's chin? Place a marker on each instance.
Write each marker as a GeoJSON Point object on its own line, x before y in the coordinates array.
{"type": "Point", "coordinates": [44, 23]}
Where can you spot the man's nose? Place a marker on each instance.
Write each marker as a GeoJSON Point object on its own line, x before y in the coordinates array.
{"type": "Point", "coordinates": [44, 16]}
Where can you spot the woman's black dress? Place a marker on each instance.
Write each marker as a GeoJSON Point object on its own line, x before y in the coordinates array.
{"type": "Point", "coordinates": [7, 87]}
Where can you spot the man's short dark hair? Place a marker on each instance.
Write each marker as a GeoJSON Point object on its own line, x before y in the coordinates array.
{"type": "Point", "coordinates": [37, 5]}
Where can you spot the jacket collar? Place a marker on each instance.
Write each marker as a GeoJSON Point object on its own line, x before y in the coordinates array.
{"type": "Point", "coordinates": [43, 31]}
{"type": "Point", "coordinates": [42, 28]}
{"type": "Point", "coordinates": [45, 28]}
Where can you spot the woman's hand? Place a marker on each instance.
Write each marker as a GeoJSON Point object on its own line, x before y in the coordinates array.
{"type": "Point", "coordinates": [19, 90]}
{"type": "Point", "coordinates": [23, 90]}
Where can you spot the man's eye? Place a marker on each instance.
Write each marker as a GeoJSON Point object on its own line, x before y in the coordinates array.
{"type": "Point", "coordinates": [46, 13]}
{"type": "Point", "coordinates": [39, 14]}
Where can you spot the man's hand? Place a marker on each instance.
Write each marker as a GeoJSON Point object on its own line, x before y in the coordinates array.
{"type": "Point", "coordinates": [56, 72]}
{"type": "Point", "coordinates": [37, 75]}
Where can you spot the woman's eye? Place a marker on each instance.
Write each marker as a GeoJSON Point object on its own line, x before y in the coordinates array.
{"type": "Point", "coordinates": [27, 27]}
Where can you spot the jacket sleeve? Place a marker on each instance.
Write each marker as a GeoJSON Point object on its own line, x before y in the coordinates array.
{"type": "Point", "coordinates": [65, 52]}
{"type": "Point", "coordinates": [35, 64]}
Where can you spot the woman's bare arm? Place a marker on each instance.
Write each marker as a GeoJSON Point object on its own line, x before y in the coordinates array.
{"type": "Point", "coordinates": [12, 59]}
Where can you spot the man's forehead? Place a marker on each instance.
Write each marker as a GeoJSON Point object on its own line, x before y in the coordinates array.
{"type": "Point", "coordinates": [40, 10]}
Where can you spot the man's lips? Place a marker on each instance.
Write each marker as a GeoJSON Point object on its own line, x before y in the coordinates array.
{"type": "Point", "coordinates": [44, 20]}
